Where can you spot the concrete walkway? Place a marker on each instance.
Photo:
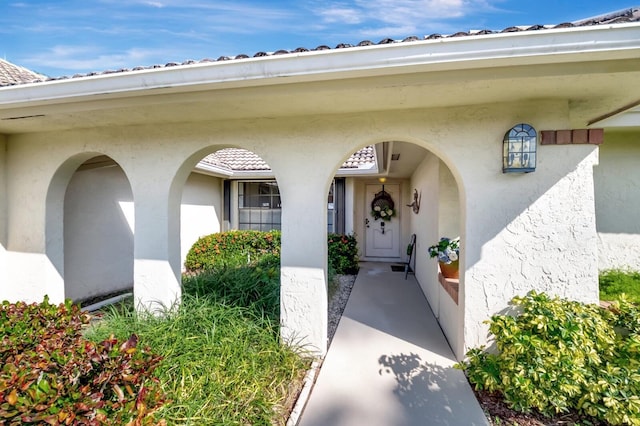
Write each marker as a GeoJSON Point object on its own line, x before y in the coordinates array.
{"type": "Point", "coordinates": [389, 363]}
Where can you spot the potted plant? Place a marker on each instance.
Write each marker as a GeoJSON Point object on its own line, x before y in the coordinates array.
{"type": "Point", "coordinates": [447, 250]}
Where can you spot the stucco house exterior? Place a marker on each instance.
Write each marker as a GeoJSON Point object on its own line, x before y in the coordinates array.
{"type": "Point", "coordinates": [107, 178]}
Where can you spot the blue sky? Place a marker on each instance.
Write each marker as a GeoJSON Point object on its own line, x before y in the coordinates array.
{"type": "Point", "coordinates": [58, 37]}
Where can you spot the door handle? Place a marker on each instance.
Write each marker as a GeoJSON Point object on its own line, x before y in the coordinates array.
{"type": "Point", "coordinates": [366, 222]}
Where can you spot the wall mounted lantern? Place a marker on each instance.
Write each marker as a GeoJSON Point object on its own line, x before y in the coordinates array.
{"type": "Point", "coordinates": [519, 149]}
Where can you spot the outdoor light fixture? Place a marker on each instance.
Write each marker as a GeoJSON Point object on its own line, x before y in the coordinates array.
{"type": "Point", "coordinates": [519, 149]}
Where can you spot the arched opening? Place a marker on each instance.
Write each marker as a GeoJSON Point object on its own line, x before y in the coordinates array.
{"type": "Point", "coordinates": [228, 189]}
{"type": "Point", "coordinates": [387, 193]}
{"type": "Point", "coordinates": [98, 231]}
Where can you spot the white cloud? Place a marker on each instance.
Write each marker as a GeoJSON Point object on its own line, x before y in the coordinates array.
{"type": "Point", "coordinates": [341, 14]}
{"type": "Point", "coordinates": [82, 58]}
{"type": "Point", "coordinates": [400, 16]}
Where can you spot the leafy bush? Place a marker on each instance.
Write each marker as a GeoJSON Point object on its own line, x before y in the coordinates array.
{"type": "Point", "coordinates": [238, 248]}
{"type": "Point", "coordinates": [52, 375]}
{"type": "Point", "coordinates": [558, 355]}
{"type": "Point", "coordinates": [232, 248]}
{"type": "Point", "coordinates": [615, 282]}
{"type": "Point", "coordinates": [343, 253]}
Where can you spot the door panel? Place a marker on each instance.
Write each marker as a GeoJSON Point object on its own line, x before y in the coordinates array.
{"type": "Point", "coordinates": [382, 236]}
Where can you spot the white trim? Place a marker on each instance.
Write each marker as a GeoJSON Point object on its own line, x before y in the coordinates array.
{"type": "Point", "coordinates": [626, 118]}
{"type": "Point", "coordinates": [550, 46]}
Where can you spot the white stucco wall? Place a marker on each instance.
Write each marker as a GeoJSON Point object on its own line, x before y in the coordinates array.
{"type": "Point", "coordinates": [526, 231]}
{"type": "Point", "coordinates": [438, 216]}
{"type": "Point", "coordinates": [519, 232]}
{"type": "Point", "coordinates": [449, 203]}
{"type": "Point", "coordinates": [617, 192]}
{"type": "Point", "coordinates": [98, 233]}
{"type": "Point", "coordinates": [201, 210]}
{"type": "Point", "coordinates": [425, 226]}
{"type": "Point", "coordinates": [3, 211]}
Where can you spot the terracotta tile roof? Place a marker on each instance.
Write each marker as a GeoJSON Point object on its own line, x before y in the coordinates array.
{"type": "Point", "coordinates": [237, 159]}
{"type": "Point", "coordinates": [11, 74]}
{"type": "Point", "coordinates": [621, 16]}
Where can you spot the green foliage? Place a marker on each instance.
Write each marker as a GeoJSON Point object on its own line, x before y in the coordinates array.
{"type": "Point", "coordinates": [254, 287]}
{"type": "Point", "coordinates": [558, 355]}
{"type": "Point", "coordinates": [222, 250]}
{"type": "Point", "coordinates": [343, 253]}
{"type": "Point", "coordinates": [223, 363]}
{"type": "Point", "coordinates": [615, 282]}
{"type": "Point", "coordinates": [52, 375]}
{"type": "Point", "coordinates": [231, 248]}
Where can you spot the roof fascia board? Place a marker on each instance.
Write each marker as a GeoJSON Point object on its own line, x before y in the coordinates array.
{"type": "Point", "coordinates": [626, 119]}
{"type": "Point", "coordinates": [549, 46]}
{"type": "Point", "coordinates": [213, 170]}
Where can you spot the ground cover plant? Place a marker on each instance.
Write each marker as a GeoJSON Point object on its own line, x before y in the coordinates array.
{"type": "Point", "coordinates": [555, 357]}
{"type": "Point", "coordinates": [52, 375]}
{"type": "Point", "coordinates": [216, 358]}
{"type": "Point", "coordinates": [615, 282]}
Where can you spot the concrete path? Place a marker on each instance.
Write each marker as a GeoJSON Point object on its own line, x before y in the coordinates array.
{"type": "Point", "coordinates": [389, 363]}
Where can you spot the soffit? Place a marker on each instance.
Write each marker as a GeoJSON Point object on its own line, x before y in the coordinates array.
{"type": "Point", "coordinates": [595, 78]}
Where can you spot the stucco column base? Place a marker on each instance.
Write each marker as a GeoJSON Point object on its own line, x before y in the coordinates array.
{"type": "Point", "coordinates": [155, 288]}
{"type": "Point", "coordinates": [303, 305]}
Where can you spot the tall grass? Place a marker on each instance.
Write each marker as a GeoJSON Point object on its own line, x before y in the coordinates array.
{"type": "Point", "coordinates": [614, 282]}
{"type": "Point", "coordinates": [223, 361]}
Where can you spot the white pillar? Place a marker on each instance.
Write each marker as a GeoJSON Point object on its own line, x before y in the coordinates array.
{"type": "Point", "coordinates": [303, 292]}
{"type": "Point", "coordinates": [156, 242]}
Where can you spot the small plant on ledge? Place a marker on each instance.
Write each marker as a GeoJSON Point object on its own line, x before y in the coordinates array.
{"type": "Point", "coordinates": [446, 250]}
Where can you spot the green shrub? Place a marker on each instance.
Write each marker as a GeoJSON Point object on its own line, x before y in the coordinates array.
{"type": "Point", "coordinates": [558, 355]}
{"type": "Point", "coordinates": [232, 248]}
{"type": "Point", "coordinates": [238, 248]}
{"type": "Point", "coordinates": [615, 282]}
{"type": "Point", "coordinates": [343, 253]}
{"type": "Point", "coordinates": [52, 375]}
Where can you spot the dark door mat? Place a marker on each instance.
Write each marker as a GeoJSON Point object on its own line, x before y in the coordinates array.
{"type": "Point", "coordinates": [398, 268]}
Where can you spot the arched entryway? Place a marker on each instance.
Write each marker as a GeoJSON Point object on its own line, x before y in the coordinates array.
{"type": "Point", "coordinates": [392, 190]}
{"type": "Point", "coordinates": [98, 231]}
{"type": "Point", "coordinates": [228, 189]}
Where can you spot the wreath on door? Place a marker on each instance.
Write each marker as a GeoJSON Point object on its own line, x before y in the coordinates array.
{"type": "Point", "coordinates": [382, 206]}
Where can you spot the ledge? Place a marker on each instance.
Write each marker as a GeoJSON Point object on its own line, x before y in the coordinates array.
{"type": "Point", "coordinates": [450, 285]}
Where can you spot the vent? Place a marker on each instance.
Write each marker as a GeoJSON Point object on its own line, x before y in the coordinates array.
{"type": "Point", "coordinates": [395, 157]}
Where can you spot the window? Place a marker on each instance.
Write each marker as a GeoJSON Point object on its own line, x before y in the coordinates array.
{"type": "Point", "coordinates": [259, 206]}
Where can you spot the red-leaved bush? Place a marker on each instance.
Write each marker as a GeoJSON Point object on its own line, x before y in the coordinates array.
{"type": "Point", "coordinates": [52, 375]}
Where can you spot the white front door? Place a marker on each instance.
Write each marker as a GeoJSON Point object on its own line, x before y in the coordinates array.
{"type": "Point", "coordinates": [382, 236]}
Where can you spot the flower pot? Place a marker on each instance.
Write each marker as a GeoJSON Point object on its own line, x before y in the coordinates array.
{"type": "Point", "coordinates": [450, 270]}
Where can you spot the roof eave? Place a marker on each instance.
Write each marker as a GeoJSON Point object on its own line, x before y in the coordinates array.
{"type": "Point", "coordinates": [549, 46]}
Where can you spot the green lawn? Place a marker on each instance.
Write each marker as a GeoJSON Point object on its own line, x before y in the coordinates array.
{"type": "Point", "coordinates": [615, 282]}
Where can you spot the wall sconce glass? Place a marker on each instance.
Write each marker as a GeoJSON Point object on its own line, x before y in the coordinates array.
{"type": "Point", "coordinates": [519, 149]}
